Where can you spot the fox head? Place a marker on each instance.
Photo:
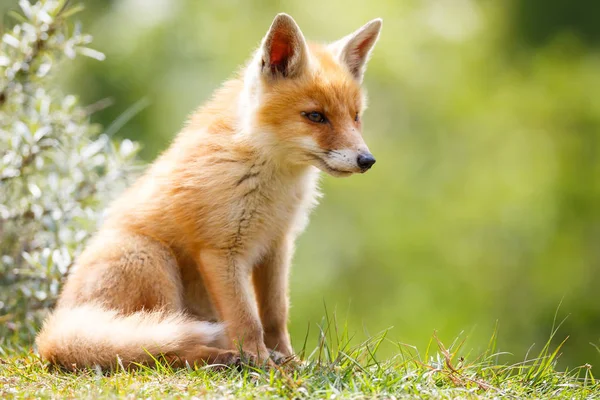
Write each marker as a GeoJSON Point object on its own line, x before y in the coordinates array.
{"type": "Point", "coordinates": [307, 99]}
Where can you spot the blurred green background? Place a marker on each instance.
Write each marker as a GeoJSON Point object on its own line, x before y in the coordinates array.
{"type": "Point", "coordinates": [484, 117]}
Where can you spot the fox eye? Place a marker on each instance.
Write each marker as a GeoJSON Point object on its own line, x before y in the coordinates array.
{"type": "Point", "coordinates": [356, 117]}
{"type": "Point", "coordinates": [315, 116]}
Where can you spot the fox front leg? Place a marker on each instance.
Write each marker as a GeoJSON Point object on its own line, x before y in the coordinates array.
{"type": "Point", "coordinates": [228, 280]}
{"type": "Point", "coordinates": [270, 278]}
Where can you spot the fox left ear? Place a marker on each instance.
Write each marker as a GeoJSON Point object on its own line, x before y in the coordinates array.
{"type": "Point", "coordinates": [354, 50]}
{"type": "Point", "coordinates": [284, 51]}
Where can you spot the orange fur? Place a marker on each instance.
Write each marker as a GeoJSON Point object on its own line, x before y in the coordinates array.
{"type": "Point", "coordinates": [207, 234]}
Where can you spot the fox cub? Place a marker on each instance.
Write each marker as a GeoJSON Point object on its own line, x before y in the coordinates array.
{"type": "Point", "coordinates": [192, 261]}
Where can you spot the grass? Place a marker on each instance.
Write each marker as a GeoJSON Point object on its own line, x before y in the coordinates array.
{"type": "Point", "coordinates": [334, 369]}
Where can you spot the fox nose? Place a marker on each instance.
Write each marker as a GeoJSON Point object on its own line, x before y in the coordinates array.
{"type": "Point", "coordinates": [365, 161]}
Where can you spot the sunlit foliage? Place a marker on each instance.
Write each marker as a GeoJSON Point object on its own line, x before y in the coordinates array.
{"type": "Point", "coordinates": [57, 170]}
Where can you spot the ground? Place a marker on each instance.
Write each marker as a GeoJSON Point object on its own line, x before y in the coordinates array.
{"type": "Point", "coordinates": [335, 369]}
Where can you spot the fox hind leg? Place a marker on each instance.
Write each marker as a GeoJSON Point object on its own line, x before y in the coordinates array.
{"type": "Point", "coordinates": [127, 273]}
{"type": "Point", "coordinates": [131, 277]}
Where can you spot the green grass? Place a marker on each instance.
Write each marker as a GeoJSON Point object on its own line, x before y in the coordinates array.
{"type": "Point", "coordinates": [334, 369]}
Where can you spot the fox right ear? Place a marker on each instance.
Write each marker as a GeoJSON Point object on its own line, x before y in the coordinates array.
{"type": "Point", "coordinates": [284, 52]}
{"type": "Point", "coordinates": [355, 49]}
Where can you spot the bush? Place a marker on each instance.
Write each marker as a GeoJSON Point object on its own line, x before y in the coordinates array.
{"type": "Point", "coordinates": [57, 169]}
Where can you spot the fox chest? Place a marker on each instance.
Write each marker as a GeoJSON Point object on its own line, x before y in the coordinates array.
{"type": "Point", "coordinates": [264, 209]}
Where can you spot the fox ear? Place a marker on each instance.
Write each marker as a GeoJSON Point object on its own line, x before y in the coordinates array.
{"type": "Point", "coordinates": [354, 50]}
{"type": "Point", "coordinates": [284, 50]}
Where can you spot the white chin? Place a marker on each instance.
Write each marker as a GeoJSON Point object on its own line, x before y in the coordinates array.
{"type": "Point", "coordinates": [329, 169]}
{"type": "Point", "coordinates": [337, 173]}
{"type": "Point", "coordinates": [333, 172]}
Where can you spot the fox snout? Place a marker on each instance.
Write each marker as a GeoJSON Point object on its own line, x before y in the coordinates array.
{"type": "Point", "coordinates": [346, 162]}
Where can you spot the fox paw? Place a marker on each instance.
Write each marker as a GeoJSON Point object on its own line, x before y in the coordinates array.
{"type": "Point", "coordinates": [235, 359]}
{"type": "Point", "coordinates": [282, 359]}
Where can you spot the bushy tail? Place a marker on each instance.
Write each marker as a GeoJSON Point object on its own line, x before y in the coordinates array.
{"type": "Point", "coordinates": [90, 335]}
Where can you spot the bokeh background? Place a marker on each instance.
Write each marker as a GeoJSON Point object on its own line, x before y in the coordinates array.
{"type": "Point", "coordinates": [484, 204]}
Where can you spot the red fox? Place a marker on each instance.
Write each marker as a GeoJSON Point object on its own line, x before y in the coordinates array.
{"type": "Point", "coordinates": [192, 261]}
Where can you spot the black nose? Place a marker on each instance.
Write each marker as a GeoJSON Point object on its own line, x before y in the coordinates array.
{"type": "Point", "coordinates": [365, 161]}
